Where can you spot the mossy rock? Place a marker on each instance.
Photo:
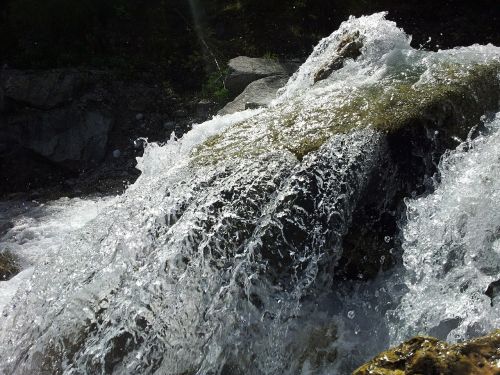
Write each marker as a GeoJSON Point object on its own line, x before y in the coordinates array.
{"type": "Point", "coordinates": [427, 355]}
{"type": "Point", "coordinates": [9, 265]}
{"type": "Point", "coordinates": [452, 101]}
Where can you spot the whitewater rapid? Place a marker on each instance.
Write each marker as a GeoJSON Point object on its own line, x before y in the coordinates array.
{"type": "Point", "coordinates": [180, 274]}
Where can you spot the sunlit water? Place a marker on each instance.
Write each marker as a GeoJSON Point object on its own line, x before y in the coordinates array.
{"type": "Point", "coordinates": [190, 270]}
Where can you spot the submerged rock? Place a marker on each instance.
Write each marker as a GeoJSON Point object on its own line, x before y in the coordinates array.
{"type": "Point", "coordinates": [427, 355]}
{"type": "Point", "coordinates": [9, 266]}
{"type": "Point", "coordinates": [405, 117]}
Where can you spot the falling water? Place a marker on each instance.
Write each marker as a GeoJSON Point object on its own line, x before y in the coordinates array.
{"type": "Point", "coordinates": [221, 258]}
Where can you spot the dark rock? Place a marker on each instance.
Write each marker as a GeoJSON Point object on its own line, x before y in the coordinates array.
{"type": "Point", "coordinates": [44, 90]}
{"type": "Point", "coordinates": [245, 70]}
{"type": "Point", "coordinates": [260, 93]}
{"type": "Point", "coordinates": [493, 290]}
{"type": "Point", "coordinates": [169, 125]}
{"type": "Point", "coordinates": [203, 108]}
{"type": "Point", "coordinates": [180, 113]}
{"type": "Point", "coordinates": [348, 48]}
{"type": "Point", "coordinates": [253, 105]}
{"type": "Point", "coordinates": [68, 135]}
{"type": "Point", "coordinates": [292, 65]}
{"type": "Point", "coordinates": [2, 100]}
{"type": "Point", "coordinates": [55, 124]}
{"type": "Point", "coordinates": [9, 265]}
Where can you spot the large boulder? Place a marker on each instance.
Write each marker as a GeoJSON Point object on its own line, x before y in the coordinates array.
{"type": "Point", "coordinates": [401, 153]}
{"type": "Point", "coordinates": [244, 70]}
{"type": "Point", "coordinates": [257, 94]}
{"type": "Point", "coordinates": [62, 135]}
{"type": "Point", "coordinates": [427, 355]}
{"type": "Point", "coordinates": [41, 89]}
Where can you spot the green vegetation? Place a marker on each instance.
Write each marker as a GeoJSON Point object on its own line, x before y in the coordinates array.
{"type": "Point", "coordinates": [214, 88]}
{"type": "Point", "coordinates": [427, 355]}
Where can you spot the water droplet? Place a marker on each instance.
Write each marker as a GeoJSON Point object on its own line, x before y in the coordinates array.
{"type": "Point", "coordinates": [387, 239]}
{"type": "Point", "coordinates": [351, 314]}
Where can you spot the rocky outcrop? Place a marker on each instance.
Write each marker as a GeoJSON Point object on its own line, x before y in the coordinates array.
{"type": "Point", "coordinates": [412, 133]}
{"type": "Point", "coordinates": [244, 70]}
{"type": "Point", "coordinates": [57, 124]}
{"type": "Point", "coordinates": [257, 94]}
{"type": "Point", "coordinates": [427, 355]}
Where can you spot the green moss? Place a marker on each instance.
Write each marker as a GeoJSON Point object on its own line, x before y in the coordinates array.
{"type": "Point", "coordinates": [427, 355]}
{"type": "Point", "coordinates": [453, 102]}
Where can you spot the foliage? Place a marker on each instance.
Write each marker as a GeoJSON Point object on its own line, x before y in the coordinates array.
{"type": "Point", "coordinates": [214, 88]}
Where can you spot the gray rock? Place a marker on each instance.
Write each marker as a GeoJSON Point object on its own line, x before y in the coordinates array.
{"type": "Point", "coordinates": [168, 125]}
{"type": "Point", "coordinates": [44, 90]}
{"type": "Point", "coordinates": [203, 108]}
{"type": "Point", "coordinates": [253, 105]}
{"type": "Point", "coordinates": [257, 94]}
{"type": "Point", "coordinates": [244, 70]}
{"type": "Point", "coordinates": [292, 65]}
{"type": "Point", "coordinates": [62, 135]}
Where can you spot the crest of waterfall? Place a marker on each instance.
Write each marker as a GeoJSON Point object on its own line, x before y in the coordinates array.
{"type": "Point", "coordinates": [224, 265]}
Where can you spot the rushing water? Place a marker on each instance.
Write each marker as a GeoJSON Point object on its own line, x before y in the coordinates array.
{"type": "Point", "coordinates": [222, 266]}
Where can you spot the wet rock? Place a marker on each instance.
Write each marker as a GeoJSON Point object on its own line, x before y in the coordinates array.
{"type": "Point", "coordinates": [259, 93]}
{"type": "Point", "coordinates": [292, 65]}
{"type": "Point", "coordinates": [203, 108]}
{"type": "Point", "coordinates": [253, 105]}
{"type": "Point", "coordinates": [427, 355]}
{"type": "Point", "coordinates": [493, 291]}
{"type": "Point", "coordinates": [349, 48]}
{"type": "Point", "coordinates": [9, 266]}
{"type": "Point", "coordinates": [406, 149]}
{"type": "Point", "coordinates": [245, 70]}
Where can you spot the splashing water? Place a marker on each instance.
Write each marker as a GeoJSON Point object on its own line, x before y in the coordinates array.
{"type": "Point", "coordinates": [452, 247]}
{"type": "Point", "coordinates": [222, 262]}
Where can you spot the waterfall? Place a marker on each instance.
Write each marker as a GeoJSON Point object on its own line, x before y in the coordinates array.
{"type": "Point", "coordinates": [242, 247]}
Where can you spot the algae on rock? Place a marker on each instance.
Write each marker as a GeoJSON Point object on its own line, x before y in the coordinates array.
{"type": "Point", "coordinates": [453, 99]}
{"type": "Point", "coordinates": [427, 355]}
{"type": "Point", "coordinates": [8, 266]}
